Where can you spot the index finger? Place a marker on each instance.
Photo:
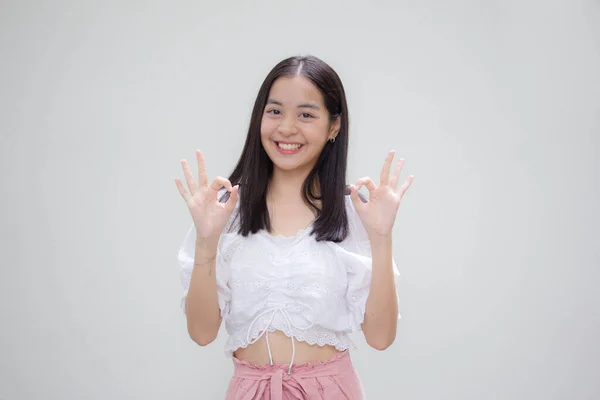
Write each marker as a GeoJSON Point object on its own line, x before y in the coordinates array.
{"type": "Point", "coordinates": [202, 174]}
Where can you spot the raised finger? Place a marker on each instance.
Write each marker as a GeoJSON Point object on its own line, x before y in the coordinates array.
{"type": "Point", "coordinates": [184, 193]}
{"type": "Point", "coordinates": [368, 182]}
{"type": "Point", "coordinates": [396, 175]}
{"type": "Point", "coordinates": [405, 186]}
{"type": "Point", "coordinates": [384, 178]}
{"type": "Point", "coordinates": [189, 179]}
{"type": "Point", "coordinates": [202, 174]}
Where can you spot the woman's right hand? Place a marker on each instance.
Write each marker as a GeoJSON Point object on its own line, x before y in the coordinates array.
{"type": "Point", "coordinates": [210, 216]}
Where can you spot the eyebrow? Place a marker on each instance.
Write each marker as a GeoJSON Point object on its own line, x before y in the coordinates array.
{"type": "Point", "coordinates": [305, 105]}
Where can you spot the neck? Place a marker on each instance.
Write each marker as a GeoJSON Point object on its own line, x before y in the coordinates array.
{"type": "Point", "coordinates": [287, 185]}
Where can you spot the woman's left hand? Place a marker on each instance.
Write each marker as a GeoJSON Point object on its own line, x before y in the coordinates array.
{"type": "Point", "coordinates": [379, 213]}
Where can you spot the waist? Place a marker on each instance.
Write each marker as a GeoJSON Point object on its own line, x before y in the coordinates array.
{"type": "Point", "coordinates": [257, 352]}
{"type": "Point", "coordinates": [242, 337]}
{"type": "Point", "coordinates": [336, 364]}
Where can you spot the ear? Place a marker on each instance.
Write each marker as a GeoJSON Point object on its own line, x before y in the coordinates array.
{"type": "Point", "coordinates": [334, 127]}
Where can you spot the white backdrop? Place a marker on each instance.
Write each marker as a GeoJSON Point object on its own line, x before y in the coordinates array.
{"type": "Point", "coordinates": [494, 104]}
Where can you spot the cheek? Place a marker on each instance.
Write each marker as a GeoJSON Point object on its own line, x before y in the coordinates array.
{"type": "Point", "coordinates": [264, 134]}
{"type": "Point", "coordinates": [317, 132]}
{"type": "Point", "coordinates": [266, 127]}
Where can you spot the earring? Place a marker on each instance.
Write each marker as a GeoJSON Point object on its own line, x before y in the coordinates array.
{"type": "Point", "coordinates": [332, 139]}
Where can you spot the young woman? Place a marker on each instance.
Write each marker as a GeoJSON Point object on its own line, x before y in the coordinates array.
{"type": "Point", "coordinates": [287, 254]}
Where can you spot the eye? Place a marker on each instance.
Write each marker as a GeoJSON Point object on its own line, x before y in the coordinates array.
{"type": "Point", "coordinates": [306, 115]}
{"type": "Point", "coordinates": [274, 111]}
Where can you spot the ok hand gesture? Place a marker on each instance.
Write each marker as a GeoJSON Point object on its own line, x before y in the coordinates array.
{"type": "Point", "coordinates": [379, 213]}
{"type": "Point", "coordinates": [210, 216]}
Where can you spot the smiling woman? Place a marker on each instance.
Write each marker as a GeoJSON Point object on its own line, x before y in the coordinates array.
{"type": "Point", "coordinates": [301, 102]}
{"type": "Point", "coordinates": [288, 254]}
{"type": "Point", "coordinates": [297, 123]}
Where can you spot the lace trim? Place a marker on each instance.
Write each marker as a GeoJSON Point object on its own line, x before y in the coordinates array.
{"type": "Point", "coordinates": [282, 238]}
{"type": "Point", "coordinates": [313, 336]}
{"type": "Point", "coordinates": [308, 365]}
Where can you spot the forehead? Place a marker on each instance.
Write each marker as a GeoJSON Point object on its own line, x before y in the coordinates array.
{"type": "Point", "coordinates": [295, 90]}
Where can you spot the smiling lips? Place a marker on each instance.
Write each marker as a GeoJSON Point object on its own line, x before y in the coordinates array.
{"type": "Point", "coordinates": [288, 148]}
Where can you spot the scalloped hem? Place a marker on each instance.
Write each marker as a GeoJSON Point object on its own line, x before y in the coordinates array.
{"type": "Point", "coordinates": [341, 347]}
{"type": "Point", "coordinates": [309, 364]}
{"type": "Point", "coordinates": [229, 352]}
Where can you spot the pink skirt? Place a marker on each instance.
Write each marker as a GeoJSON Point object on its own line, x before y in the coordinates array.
{"type": "Point", "coordinates": [332, 379]}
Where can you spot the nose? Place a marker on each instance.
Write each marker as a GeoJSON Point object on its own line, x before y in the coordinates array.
{"type": "Point", "coordinates": [287, 127]}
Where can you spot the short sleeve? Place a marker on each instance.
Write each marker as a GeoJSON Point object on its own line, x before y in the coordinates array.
{"type": "Point", "coordinates": [355, 253]}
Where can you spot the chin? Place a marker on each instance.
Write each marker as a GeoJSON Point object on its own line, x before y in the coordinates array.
{"type": "Point", "coordinates": [286, 166]}
{"type": "Point", "coordinates": [287, 163]}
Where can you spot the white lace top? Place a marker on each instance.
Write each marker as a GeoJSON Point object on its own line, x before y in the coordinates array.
{"type": "Point", "coordinates": [311, 291]}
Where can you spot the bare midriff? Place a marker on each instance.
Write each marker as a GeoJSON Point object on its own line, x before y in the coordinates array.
{"type": "Point", "coordinates": [281, 349]}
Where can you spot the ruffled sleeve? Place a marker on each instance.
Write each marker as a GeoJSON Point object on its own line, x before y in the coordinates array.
{"type": "Point", "coordinates": [185, 258]}
{"type": "Point", "coordinates": [355, 254]}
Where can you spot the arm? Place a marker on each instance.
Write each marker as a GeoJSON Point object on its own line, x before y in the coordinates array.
{"type": "Point", "coordinates": [378, 216]}
{"type": "Point", "coordinates": [381, 314]}
{"type": "Point", "coordinates": [202, 306]}
{"type": "Point", "coordinates": [210, 217]}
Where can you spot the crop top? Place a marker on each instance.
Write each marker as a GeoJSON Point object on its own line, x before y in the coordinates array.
{"type": "Point", "coordinates": [311, 291]}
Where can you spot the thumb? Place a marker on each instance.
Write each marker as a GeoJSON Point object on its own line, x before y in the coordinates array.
{"type": "Point", "coordinates": [233, 198]}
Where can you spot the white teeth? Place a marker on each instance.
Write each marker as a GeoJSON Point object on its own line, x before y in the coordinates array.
{"type": "Point", "coordinates": [286, 146]}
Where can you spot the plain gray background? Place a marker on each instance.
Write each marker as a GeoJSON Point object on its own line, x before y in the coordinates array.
{"type": "Point", "coordinates": [494, 104]}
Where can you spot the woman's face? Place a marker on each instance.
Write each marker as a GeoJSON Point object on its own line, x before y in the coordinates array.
{"type": "Point", "coordinates": [295, 124]}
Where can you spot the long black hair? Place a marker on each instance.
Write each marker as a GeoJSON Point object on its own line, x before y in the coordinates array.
{"type": "Point", "coordinates": [254, 167]}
